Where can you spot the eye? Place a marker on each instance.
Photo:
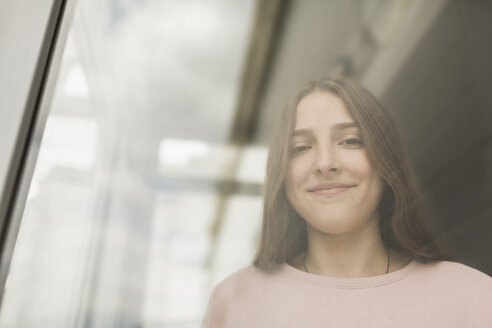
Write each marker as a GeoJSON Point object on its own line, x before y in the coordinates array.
{"type": "Point", "coordinates": [299, 149]}
{"type": "Point", "coordinates": [352, 142]}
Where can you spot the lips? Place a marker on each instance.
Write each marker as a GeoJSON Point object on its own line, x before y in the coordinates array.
{"type": "Point", "coordinates": [330, 188]}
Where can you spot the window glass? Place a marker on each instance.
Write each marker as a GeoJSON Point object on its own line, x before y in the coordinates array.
{"type": "Point", "coordinates": [126, 212]}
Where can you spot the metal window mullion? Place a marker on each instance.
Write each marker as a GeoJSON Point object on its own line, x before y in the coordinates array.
{"type": "Point", "coordinates": [31, 128]}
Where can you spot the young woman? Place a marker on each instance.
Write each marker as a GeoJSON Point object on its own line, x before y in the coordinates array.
{"type": "Point", "coordinates": [343, 241]}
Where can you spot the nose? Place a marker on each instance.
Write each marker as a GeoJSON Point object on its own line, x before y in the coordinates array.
{"type": "Point", "coordinates": [326, 161]}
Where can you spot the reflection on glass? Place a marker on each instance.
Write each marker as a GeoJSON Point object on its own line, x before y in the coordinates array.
{"type": "Point", "coordinates": [120, 227]}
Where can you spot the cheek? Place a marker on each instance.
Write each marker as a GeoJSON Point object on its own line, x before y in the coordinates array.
{"type": "Point", "coordinates": [296, 173]}
{"type": "Point", "coordinates": [292, 181]}
{"type": "Point", "coordinates": [358, 163]}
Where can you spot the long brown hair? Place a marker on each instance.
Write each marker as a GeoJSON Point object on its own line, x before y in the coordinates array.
{"type": "Point", "coordinates": [402, 220]}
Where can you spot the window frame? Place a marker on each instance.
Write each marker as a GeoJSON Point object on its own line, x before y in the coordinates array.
{"type": "Point", "coordinates": [34, 94]}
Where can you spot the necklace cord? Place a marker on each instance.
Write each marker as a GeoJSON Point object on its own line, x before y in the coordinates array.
{"type": "Point", "coordinates": [387, 265]}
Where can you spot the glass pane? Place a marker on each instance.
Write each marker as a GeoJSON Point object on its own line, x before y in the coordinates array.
{"type": "Point", "coordinates": [120, 226]}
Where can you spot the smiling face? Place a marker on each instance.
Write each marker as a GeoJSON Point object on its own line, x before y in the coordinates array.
{"type": "Point", "coordinates": [330, 181]}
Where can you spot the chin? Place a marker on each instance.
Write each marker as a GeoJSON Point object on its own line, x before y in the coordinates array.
{"type": "Point", "coordinates": [333, 228]}
{"type": "Point", "coordinates": [338, 225]}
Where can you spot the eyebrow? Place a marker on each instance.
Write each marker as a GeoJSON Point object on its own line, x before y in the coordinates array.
{"type": "Point", "coordinates": [339, 126]}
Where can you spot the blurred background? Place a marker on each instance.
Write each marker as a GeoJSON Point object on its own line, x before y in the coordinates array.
{"type": "Point", "coordinates": [141, 187]}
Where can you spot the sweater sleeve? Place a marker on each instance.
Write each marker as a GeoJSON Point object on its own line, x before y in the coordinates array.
{"type": "Point", "coordinates": [479, 300]}
{"type": "Point", "coordinates": [209, 320]}
{"type": "Point", "coordinates": [215, 314]}
{"type": "Point", "coordinates": [224, 299]}
{"type": "Point", "coordinates": [470, 294]}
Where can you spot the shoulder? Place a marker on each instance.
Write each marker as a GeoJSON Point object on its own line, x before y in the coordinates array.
{"type": "Point", "coordinates": [246, 280]}
{"type": "Point", "coordinates": [455, 281]}
{"type": "Point", "coordinates": [453, 271]}
{"type": "Point", "coordinates": [238, 291]}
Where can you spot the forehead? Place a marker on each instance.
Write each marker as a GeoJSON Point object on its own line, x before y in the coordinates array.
{"type": "Point", "coordinates": [321, 108]}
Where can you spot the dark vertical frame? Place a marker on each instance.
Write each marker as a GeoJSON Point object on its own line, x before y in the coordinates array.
{"type": "Point", "coordinates": [28, 139]}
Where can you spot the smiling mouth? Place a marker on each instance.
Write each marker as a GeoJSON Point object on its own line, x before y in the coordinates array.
{"type": "Point", "coordinates": [331, 189]}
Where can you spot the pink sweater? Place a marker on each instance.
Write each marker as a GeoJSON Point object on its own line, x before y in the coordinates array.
{"type": "Point", "coordinates": [439, 294]}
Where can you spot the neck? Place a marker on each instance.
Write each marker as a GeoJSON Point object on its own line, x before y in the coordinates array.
{"type": "Point", "coordinates": [355, 254]}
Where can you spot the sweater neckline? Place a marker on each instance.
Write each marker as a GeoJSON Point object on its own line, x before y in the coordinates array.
{"type": "Point", "coordinates": [351, 283]}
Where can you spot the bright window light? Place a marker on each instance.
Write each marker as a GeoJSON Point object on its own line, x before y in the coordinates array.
{"type": "Point", "coordinates": [177, 152]}
{"type": "Point", "coordinates": [76, 83]}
